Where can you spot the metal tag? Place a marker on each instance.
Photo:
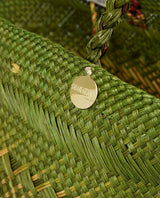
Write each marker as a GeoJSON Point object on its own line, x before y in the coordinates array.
{"type": "Point", "coordinates": [83, 92]}
{"type": "Point", "coordinates": [99, 2]}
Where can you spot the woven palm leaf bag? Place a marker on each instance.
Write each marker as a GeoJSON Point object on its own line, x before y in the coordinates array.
{"type": "Point", "coordinates": [49, 148]}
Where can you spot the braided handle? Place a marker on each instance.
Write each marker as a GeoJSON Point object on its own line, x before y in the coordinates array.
{"type": "Point", "coordinates": [105, 27]}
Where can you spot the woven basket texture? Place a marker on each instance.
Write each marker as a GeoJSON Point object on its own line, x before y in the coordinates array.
{"type": "Point", "coordinates": [133, 53]}
{"type": "Point", "coordinates": [48, 147]}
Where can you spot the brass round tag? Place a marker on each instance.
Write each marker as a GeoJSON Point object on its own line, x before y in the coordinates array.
{"type": "Point", "coordinates": [83, 92]}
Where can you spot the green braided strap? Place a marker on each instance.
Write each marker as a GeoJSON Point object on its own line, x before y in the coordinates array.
{"type": "Point", "coordinates": [105, 27]}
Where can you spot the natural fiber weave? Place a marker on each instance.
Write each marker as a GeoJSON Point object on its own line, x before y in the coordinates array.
{"type": "Point", "coordinates": [49, 148]}
{"type": "Point", "coordinates": [68, 22]}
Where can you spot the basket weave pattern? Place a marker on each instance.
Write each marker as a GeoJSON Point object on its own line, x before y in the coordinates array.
{"type": "Point", "coordinates": [49, 148]}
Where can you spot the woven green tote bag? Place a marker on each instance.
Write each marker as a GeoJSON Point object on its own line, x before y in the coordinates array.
{"type": "Point", "coordinates": [48, 147]}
